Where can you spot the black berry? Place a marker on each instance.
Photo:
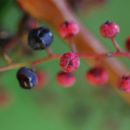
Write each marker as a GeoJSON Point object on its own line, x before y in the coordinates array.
{"type": "Point", "coordinates": [40, 38]}
{"type": "Point", "coordinates": [27, 78]}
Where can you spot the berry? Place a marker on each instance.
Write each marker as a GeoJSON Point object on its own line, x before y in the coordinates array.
{"type": "Point", "coordinates": [65, 79]}
{"type": "Point", "coordinates": [128, 43]}
{"type": "Point", "coordinates": [124, 83]}
{"type": "Point", "coordinates": [70, 62]}
{"type": "Point", "coordinates": [69, 29]}
{"type": "Point", "coordinates": [109, 29]}
{"type": "Point", "coordinates": [42, 79]}
{"type": "Point", "coordinates": [5, 97]}
{"type": "Point", "coordinates": [40, 38]}
{"type": "Point", "coordinates": [97, 76]}
{"type": "Point", "coordinates": [27, 78]}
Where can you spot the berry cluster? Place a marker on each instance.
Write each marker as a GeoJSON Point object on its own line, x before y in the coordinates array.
{"type": "Point", "coordinates": [40, 38]}
{"type": "Point", "coordinates": [110, 30]}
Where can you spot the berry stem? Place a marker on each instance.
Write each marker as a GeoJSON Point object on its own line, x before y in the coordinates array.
{"type": "Point", "coordinates": [33, 64]}
{"type": "Point", "coordinates": [72, 45]}
{"type": "Point", "coordinates": [116, 45]}
{"type": "Point", "coordinates": [104, 55]}
{"type": "Point", "coordinates": [7, 58]}
{"type": "Point", "coordinates": [11, 44]}
{"type": "Point", "coordinates": [49, 51]}
{"type": "Point", "coordinates": [46, 59]}
{"type": "Point", "coordinates": [12, 66]}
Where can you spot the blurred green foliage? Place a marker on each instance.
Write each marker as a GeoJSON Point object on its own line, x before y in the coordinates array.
{"type": "Point", "coordinates": [81, 107]}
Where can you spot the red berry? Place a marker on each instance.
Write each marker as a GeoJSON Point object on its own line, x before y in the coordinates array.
{"type": "Point", "coordinates": [65, 79]}
{"type": "Point", "coordinates": [70, 62]}
{"type": "Point", "coordinates": [42, 79]}
{"type": "Point", "coordinates": [128, 43]}
{"type": "Point", "coordinates": [69, 29]}
{"type": "Point", "coordinates": [124, 83]}
{"type": "Point", "coordinates": [97, 76]}
{"type": "Point", "coordinates": [109, 29]}
{"type": "Point", "coordinates": [5, 97]}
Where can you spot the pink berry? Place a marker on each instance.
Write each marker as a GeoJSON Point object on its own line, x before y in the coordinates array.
{"type": "Point", "coordinates": [97, 76]}
{"type": "Point", "coordinates": [42, 79]}
{"type": "Point", "coordinates": [69, 29]}
{"type": "Point", "coordinates": [65, 79]}
{"type": "Point", "coordinates": [128, 43]}
{"type": "Point", "coordinates": [124, 83]}
{"type": "Point", "coordinates": [109, 29]}
{"type": "Point", "coordinates": [70, 62]}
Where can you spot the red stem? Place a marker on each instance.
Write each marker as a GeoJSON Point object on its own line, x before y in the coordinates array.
{"type": "Point", "coordinates": [57, 56]}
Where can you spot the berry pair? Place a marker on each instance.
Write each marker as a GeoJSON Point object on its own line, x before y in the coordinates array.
{"type": "Point", "coordinates": [28, 79]}
{"type": "Point", "coordinates": [38, 39]}
{"type": "Point", "coordinates": [41, 38]}
{"type": "Point", "coordinates": [96, 76]}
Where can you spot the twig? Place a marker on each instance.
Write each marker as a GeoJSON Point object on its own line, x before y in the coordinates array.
{"type": "Point", "coordinates": [116, 45]}
{"type": "Point", "coordinates": [57, 56]}
{"type": "Point", "coordinates": [7, 58]}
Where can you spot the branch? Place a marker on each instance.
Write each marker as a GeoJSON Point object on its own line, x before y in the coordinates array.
{"type": "Point", "coordinates": [85, 41]}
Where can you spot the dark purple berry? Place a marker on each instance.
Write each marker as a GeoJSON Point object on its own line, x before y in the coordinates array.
{"type": "Point", "coordinates": [40, 38]}
{"type": "Point", "coordinates": [27, 78]}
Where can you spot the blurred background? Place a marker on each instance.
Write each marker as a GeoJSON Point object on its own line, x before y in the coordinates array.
{"type": "Point", "coordinates": [52, 107]}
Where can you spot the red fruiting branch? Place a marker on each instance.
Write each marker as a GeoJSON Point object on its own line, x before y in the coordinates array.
{"type": "Point", "coordinates": [108, 30]}
{"type": "Point", "coordinates": [57, 56]}
{"type": "Point", "coordinates": [85, 41]}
